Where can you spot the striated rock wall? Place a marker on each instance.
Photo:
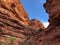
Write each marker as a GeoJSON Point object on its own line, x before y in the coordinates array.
{"type": "Point", "coordinates": [36, 24]}
{"type": "Point", "coordinates": [14, 22]}
{"type": "Point", "coordinates": [14, 9]}
{"type": "Point", "coordinates": [17, 29]}
{"type": "Point", "coordinates": [15, 26]}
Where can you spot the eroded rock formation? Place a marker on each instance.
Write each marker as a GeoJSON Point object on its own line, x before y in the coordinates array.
{"type": "Point", "coordinates": [17, 29]}
{"type": "Point", "coordinates": [15, 10]}
{"type": "Point", "coordinates": [13, 20]}
{"type": "Point", "coordinates": [36, 24]}
{"type": "Point", "coordinates": [51, 35]}
{"type": "Point", "coordinates": [15, 26]}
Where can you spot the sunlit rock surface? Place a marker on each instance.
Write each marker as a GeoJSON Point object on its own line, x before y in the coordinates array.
{"type": "Point", "coordinates": [15, 26]}
{"type": "Point", "coordinates": [15, 10]}
{"type": "Point", "coordinates": [36, 24]}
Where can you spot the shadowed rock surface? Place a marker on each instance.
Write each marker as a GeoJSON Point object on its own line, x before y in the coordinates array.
{"type": "Point", "coordinates": [51, 35]}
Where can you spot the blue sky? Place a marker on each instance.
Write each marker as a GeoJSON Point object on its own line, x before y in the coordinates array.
{"type": "Point", "coordinates": [35, 10]}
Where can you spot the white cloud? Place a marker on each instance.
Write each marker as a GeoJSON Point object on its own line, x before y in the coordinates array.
{"type": "Point", "coordinates": [46, 24]}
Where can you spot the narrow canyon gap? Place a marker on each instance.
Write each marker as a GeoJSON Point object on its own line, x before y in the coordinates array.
{"type": "Point", "coordinates": [35, 10]}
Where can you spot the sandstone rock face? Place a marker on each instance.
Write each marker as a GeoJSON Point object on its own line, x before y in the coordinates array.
{"type": "Point", "coordinates": [17, 29]}
{"type": "Point", "coordinates": [36, 24]}
{"type": "Point", "coordinates": [51, 35]}
{"type": "Point", "coordinates": [15, 26]}
{"type": "Point", "coordinates": [14, 9]}
{"type": "Point", "coordinates": [13, 21]}
{"type": "Point", "coordinates": [53, 8]}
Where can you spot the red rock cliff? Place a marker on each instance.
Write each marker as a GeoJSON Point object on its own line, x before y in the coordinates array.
{"type": "Point", "coordinates": [13, 20]}
{"type": "Point", "coordinates": [15, 10]}
{"type": "Point", "coordinates": [17, 29]}
{"type": "Point", "coordinates": [15, 26]}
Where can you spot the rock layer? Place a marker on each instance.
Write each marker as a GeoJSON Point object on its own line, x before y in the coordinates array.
{"type": "Point", "coordinates": [17, 29]}
{"type": "Point", "coordinates": [13, 22]}
{"type": "Point", "coordinates": [14, 9]}
{"type": "Point", "coordinates": [36, 24]}
{"type": "Point", "coordinates": [12, 17]}
{"type": "Point", "coordinates": [15, 26]}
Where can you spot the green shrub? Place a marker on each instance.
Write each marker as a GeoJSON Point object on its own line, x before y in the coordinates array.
{"type": "Point", "coordinates": [10, 40]}
{"type": "Point", "coordinates": [1, 43]}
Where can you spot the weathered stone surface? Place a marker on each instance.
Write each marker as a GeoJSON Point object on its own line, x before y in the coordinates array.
{"type": "Point", "coordinates": [13, 21]}
{"type": "Point", "coordinates": [51, 35]}
{"type": "Point", "coordinates": [36, 24]}
{"type": "Point", "coordinates": [12, 17]}
{"type": "Point", "coordinates": [53, 8]}
{"type": "Point", "coordinates": [17, 29]}
{"type": "Point", "coordinates": [15, 26]}
{"type": "Point", "coordinates": [14, 9]}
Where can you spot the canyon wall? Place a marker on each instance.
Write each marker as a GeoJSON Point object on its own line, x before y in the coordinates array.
{"type": "Point", "coordinates": [15, 25]}
{"type": "Point", "coordinates": [17, 29]}
{"type": "Point", "coordinates": [51, 35]}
